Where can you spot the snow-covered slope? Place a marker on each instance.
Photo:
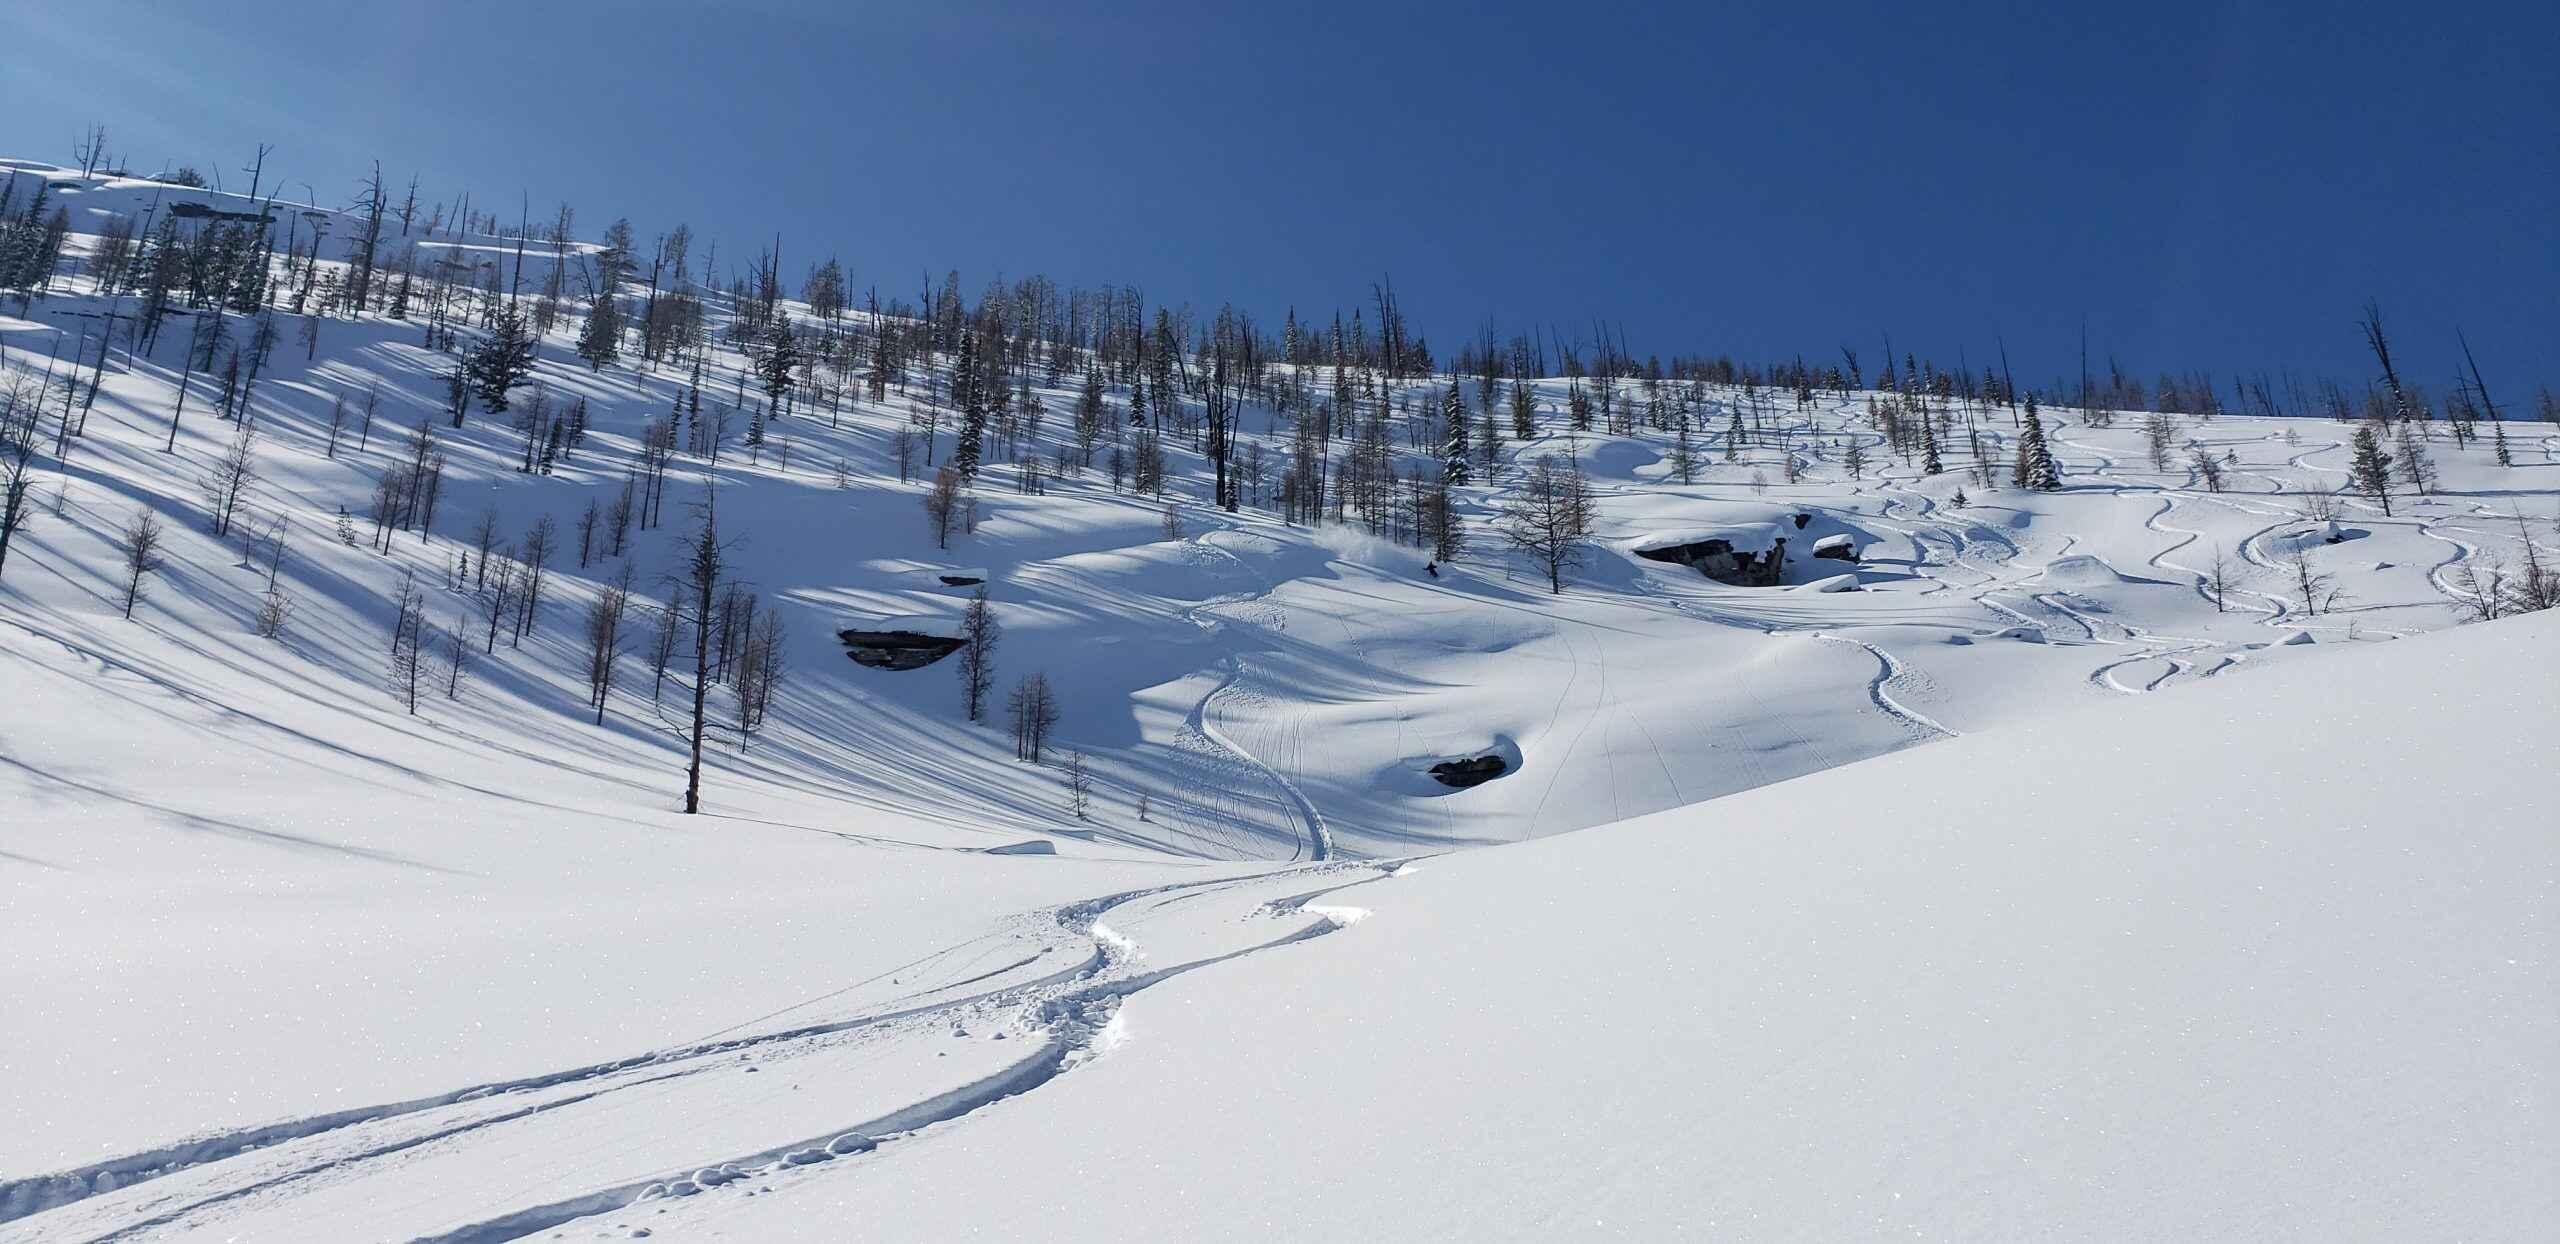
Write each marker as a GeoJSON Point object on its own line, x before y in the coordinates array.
{"type": "Point", "coordinates": [290, 961]}
{"type": "Point", "coordinates": [2273, 959]}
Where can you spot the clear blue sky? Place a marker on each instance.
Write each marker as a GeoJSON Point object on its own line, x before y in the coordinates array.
{"type": "Point", "coordinates": [2212, 185]}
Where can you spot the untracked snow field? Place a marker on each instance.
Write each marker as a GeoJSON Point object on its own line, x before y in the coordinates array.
{"type": "Point", "coordinates": [2017, 891]}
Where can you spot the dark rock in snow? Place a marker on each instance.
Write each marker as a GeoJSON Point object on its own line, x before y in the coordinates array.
{"type": "Point", "coordinates": [1465, 773]}
{"type": "Point", "coordinates": [1717, 559]}
{"type": "Point", "coordinates": [897, 650]}
{"type": "Point", "coordinates": [1838, 548]}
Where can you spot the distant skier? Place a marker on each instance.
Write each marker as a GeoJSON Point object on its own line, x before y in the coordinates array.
{"type": "Point", "coordinates": [1432, 569]}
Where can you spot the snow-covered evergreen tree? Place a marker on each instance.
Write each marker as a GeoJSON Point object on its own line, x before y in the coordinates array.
{"type": "Point", "coordinates": [2034, 468]}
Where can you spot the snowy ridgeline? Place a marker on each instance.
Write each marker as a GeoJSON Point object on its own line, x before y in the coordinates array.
{"type": "Point", "coordinates": [315, 900]}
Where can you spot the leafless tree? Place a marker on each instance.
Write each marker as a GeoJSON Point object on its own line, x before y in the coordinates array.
{"type": "Point", "coordinates": [275, 612]}
{"type": "Point", "coordinates": [2159, 436]}
{"type": "Point", "coordinates": [91, 149]}
{"type": "Point", "coordinates": [484, 537]}
{"type": "Point", "coordinates": [457, 655]}
{"type": "Point", "coordinates": [944, 504]}
{"type": "Point", "coordinates": [662, 642]}
{"type": "Point", "coordinates": [498, 592]}
{"type": "Point", "coordinates": [2481, 583]}
{"type": "Point", "coordinates": [409, 643]}
{"type": "Point", "coordinates": [140, 542]}
{"type": "Point", "coordinates": [604, 637]}
{"type": "Point", "coordinates": [1034, 709]}
{"type": "Point", "coordinates": [337, 422]}
{"type": "Point", "coordinates": [226, 481]}
{"type": "Point", "coordinates": [1079, 787]}
{"type": "Point", "coordinates": [761, 664]}
{"type": "Point", "coordinates": [1548, 516]}
{"type": "Point", "coordinates": [2208, 469]}
{"type": "Point", "coordinates": [2536, 586]}
{"type": "Point", "coordinates": [979, 633]}
{"type": "Point", "coordinates": [17, 466]}
{"type": "Point", "coordinates": [536, 556]}
{"type": "Point", "coordinates": [2320, 592]}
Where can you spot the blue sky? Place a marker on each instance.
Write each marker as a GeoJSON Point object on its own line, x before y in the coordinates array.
{"type": "Point", "coordinates": [2214, 185]}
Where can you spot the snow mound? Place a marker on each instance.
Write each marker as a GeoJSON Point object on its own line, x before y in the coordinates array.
{"type": "Point", "coordinates": [1755, 537]}
{"type": "Point", "coordinates": [2081, 570]}
{"type": "Point", "coordinates": [1032, 846]}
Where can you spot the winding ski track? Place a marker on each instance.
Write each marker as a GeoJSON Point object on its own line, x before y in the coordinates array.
{"type": "Point", "coordinates": [1063, 993]}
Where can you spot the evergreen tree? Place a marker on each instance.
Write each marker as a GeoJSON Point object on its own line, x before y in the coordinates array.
{"type": "Point", "coordinates": [973, 412]}
{"type": "Point", "coordinates": [1090, 413]}
{"type": "Point", "coordinates": [2035, 467]}
{"type": "Point", "coordinates": [601, 342]}
{"type": "Point", "coordinates": [2370, 468]}
{"type": "Point", "coordinates": [1684, 456]}
{"type": "Point", "coordinates": [781, 353]}
{"type": "Point", "coordinates": [503, 360]}
{"type": "Point", "coordinates": [1455, 467]}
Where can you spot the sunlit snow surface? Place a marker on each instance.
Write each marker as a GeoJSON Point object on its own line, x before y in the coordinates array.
{"type": "Point", "coordinates": [2195, 930]}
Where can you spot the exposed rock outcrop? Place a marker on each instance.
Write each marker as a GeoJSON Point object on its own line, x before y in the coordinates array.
{"type": "Point", "coordinates": [1716, 558]}
{"type": "Point", "coordinates": [897, 650]}
{"type": "Point", "coordinates": [1472, 772]}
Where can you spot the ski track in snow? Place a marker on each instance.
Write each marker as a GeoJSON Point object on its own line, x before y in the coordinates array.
{"type": "Point", "coordinates": [1315, 837]}
{"type": "Point", "coordinates": [205, 1183]}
